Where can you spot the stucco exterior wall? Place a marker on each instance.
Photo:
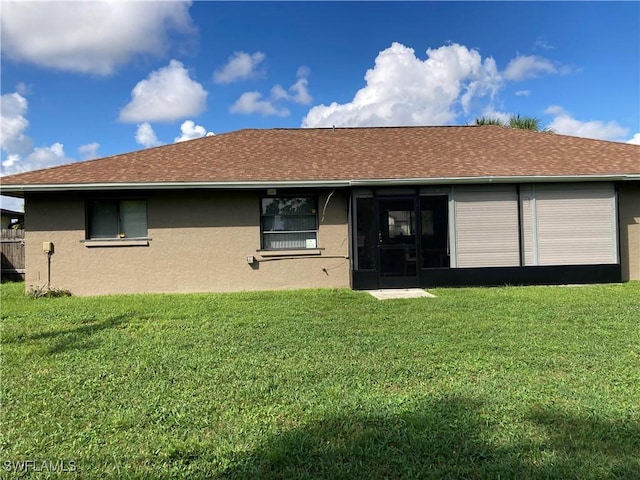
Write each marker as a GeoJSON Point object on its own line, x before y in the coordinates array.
{"type": "Point", "coordinates": [199, 242]}
{"type": "Point", "coordinates": [629, 218]}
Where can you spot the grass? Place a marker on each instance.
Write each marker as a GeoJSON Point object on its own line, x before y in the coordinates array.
{"type": "Point", "coordinates": [535, 382]}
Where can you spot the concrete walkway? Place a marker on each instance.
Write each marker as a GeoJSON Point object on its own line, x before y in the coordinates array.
{"type": "Point", "coordinates": [391, 293]}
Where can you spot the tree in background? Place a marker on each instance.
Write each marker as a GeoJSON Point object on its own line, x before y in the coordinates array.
{"type": "Point", "coordinates": [515, 121]}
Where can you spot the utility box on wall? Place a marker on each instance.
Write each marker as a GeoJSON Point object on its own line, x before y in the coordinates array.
{"type": "Point", "coordinates": [47, 247]}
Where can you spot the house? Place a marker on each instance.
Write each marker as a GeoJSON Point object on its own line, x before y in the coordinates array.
{"type": "Point", "coordinates": [338, 207]}
{"type": "Point", "coordinates": [9, 218]}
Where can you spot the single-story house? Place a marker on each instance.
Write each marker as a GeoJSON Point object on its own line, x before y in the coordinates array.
{"type": "Point", "coordinates": [9, 218]}
{"type": "Point", "coordinates": [337, 207]}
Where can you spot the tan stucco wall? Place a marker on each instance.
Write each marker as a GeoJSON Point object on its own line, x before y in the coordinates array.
{"type": "Point", "coordinates": [199, 243]}
{"type": "Point", "coordinates": [629, 215]}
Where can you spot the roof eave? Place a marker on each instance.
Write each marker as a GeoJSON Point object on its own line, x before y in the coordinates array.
{"type": "Point", "coordinates": [19, 190]}
{"type": "Point", "coordinates": [496, 179]}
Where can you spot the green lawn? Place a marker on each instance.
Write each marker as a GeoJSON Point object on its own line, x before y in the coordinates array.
{"type": "Point", "coordinates": [535, 382]}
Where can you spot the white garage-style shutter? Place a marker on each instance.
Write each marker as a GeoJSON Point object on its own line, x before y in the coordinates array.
{"type": "Point", "coordinates": [575, 224]}
{"type": "Point", "coordinates": [486, 226]}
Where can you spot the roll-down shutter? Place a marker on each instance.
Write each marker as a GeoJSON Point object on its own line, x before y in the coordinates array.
{"type": "Point", "coordinates": [575, 224]}
{"type": "Point", "coordinates": [486, 226]}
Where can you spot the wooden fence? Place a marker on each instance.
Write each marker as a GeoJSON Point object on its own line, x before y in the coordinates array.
{"type": "Point", "coordinates": [12, 243]}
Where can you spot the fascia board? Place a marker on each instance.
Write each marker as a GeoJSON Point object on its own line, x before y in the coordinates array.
{"type": "Point", "coordinates": [25, 188]}
{"type": "Point", "coordinates": [75, 187]}
{"type": "Point", "coordinates": [494, 179]}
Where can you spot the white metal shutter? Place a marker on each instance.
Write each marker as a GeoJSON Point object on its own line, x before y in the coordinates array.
{"type": "Point", "coordinates": [576, 224]}
{"type": "Point", "coordinates": [486, 226]}
{"type": "Point", "coordinates": [528, 224]}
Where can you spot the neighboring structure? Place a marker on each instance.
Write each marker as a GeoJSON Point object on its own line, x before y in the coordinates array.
{"type": "Point", "coordinates": [359, 207]}
{"type": "Point", "coordinates": [10, 218]}
{"type": "Point", "coordinates": [11, 245]}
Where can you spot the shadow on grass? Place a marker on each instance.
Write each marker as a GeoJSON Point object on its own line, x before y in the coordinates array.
{"type": "Point", "coordinates": [442, 439]}
{"type": "Point", "coordinates": [76, 337]}
{"type": "Point", "coordinates": [589, 447]}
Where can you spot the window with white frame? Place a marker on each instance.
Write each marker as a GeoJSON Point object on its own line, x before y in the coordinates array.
{"type": "Point", "coordinates": [113, 218]}
{"type": "Point", "coordinates": [289, 223]}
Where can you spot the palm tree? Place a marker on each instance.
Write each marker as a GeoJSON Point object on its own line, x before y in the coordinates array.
{"type": "Point", "coordinates": [490, 121]}
{"type": "Point", "coordinates": [515, 121]}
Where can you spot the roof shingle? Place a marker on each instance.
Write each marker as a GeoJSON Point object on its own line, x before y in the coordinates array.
{"type": "Point", "coordinates": [351, 154]}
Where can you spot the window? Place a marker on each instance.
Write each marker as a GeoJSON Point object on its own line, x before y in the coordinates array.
{"type": "Point", "coordinates": [117, 219]}
{"type": "Point", "coordinates": [289, 223]}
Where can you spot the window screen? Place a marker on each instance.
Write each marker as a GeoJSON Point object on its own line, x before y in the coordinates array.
{"type": "Point", "coordinates": [289, 223]}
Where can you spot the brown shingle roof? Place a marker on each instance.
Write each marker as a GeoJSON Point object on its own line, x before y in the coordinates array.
{"type": "Point", "coordinates": [352, 154]}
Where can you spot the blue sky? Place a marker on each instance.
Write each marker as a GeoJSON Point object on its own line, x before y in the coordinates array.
{"type": "Point", "coordinates": [83, 80]}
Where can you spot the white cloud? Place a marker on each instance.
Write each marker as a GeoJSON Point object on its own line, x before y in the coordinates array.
{"type": "Point", "coordinates": [298, 92]}
{"type": "Point", "coordinates": [90, 37]}
{"type": "Point", "coordinates": [523, 93]}
{"type": "Point", "coordinates": [13, 123]}
{"type": "Point", "coordinates": [252, 102]}
{"type": "Point", "coordinates": [529, 66]}
{"type": "Point", "coordinates": [11, 162]}
{"type": "Point", "coordinates": [167, 94]}
{"type": "Point", "coordinates": [300, 88]}
{"type": "Point", "coordinates": [490, 112]}
{"type": "Point", "coordinates": [542, 43]}
{"type": "Point", "coordinates": [20, 156]}
{"type": "Point", "coordinates": [190, 131]}
{"type": "Point", "coordinates": [40, 157]}
{"type": "Point", "coordinates": [145, 135]}
{"type": "Point", "coordinates": [402, 89]}
{"type": "Point", "coordinates": [89, 151]}
{"type": "Point", "coordinates": [241, 65]}
{"type": "Point", "coordinates": [44, 157]}
{"type": "Point", "coordinates": [23, 88]}
{"type": "Point", "coordinates": [565, 124]}
{"type": "Point", "coordinates": [279, 93]}
{"type": "Point", "coordinates": [635, 140]}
